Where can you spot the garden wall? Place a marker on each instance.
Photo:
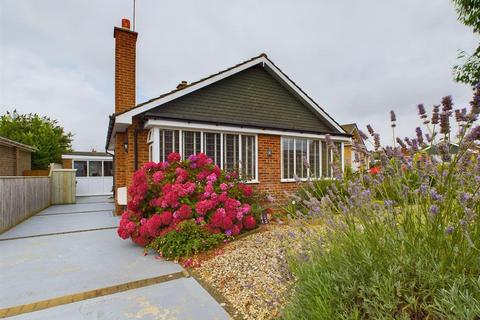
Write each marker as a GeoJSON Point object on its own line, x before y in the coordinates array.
{"type": "Point", "coordinates": [22, 197]}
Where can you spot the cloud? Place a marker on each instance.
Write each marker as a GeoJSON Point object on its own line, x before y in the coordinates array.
{"type": "Point", "coordinates": [356, 59]}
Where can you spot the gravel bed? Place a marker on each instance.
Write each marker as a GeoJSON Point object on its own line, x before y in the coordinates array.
{"type": "Point", "coordinates": [251, 273]}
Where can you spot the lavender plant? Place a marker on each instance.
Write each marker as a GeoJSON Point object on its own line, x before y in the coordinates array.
{"type": "Point", "coordinates": [404, 242]}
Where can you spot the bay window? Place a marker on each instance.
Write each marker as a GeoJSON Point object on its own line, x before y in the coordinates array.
{"type": "Point", "coordinates": [191, 143]}
{"type": "Point", "coordinates": [230, 151]}
{"type": "Point", "coordinates": [212, 147]}
{"type": "Point", "coordinates": [303, 158]}
{"type": "Point", "coordinates": [249, 157]}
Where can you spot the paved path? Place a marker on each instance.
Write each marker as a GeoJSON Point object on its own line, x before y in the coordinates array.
{"type": "Point", "coordinates": [67, 262]}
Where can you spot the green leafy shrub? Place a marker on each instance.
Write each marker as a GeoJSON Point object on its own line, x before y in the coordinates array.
{"type": "Point", "coordinates": [413, 255]}
{"type": "Point", "coordinates": [186, 240]}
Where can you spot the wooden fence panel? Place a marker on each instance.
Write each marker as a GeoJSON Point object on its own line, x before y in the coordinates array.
{"type": "Point", "coordinates": [22, 197]}
{"type": "Point", "coordinates": [63, 186]}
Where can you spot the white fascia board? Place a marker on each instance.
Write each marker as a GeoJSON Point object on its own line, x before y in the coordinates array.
{"type": "Point", "coordinates": [79, 157]}
{"type": "Point", "coordinates": [216, 128]}
{"type": "Point", "coordinates": [126, 118]}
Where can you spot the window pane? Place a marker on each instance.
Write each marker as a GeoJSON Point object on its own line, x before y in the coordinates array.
{"type": "Point", "coordinates": [212, 147]}
{"type": "Point", "coordinates": [230, 155]}
{"type": "Point", "coordinates": [248, 157]}
{"type": "Point", "coordinates": [81, 167]}
{"type": "Point", "coordinates": [325, 160]}
{"type": "Point", "coordinates": [314, 161]}
{"type": "Point", "coordinates": [288, 171]}
{"type": "Point", "coordinates": [300, 157]}
{"type": "Point", "coordinates": [95, 168]}
{"type": "Point", "coordinates": [107, 168]}
{"type": "Point", "coordinates": [169, 141]}
{"type": "Point", "coordinates": [191, 143]}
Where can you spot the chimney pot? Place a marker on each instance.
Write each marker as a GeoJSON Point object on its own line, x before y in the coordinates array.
{"type": "Point", "coordinates": [182, 84]}
{"type": "Point", "coordinates": [126, 24]}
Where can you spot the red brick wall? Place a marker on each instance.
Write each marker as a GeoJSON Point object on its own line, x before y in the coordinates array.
{"type": "Point", "coordinates": [125, 99]}
{"type": "Point", "coordinates": [125, 161]}
{"type": "Point", "coordinates": [269, 168]}
{"type": "Point", "coordinates": [125, 57]}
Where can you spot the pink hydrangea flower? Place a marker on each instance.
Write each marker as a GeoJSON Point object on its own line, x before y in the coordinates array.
{"type": "Point", "coordinates": [173, 157]}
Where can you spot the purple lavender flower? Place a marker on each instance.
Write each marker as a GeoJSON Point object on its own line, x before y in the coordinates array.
{"type": "Point", "coordinates": [376, 139]}
{"type": "Point", "coordinates": [443, 150]}
{"type": "Point", "coordinates": [473, 135]}
{"type": "Point", "coordinates": [388, 203]}
{"type": "Point", "coordinates": [419, 132]}
{"type": "Point", "coordinates": [393, 118]}
{"type": "Point", "coordinates": [370, 129]}
{"type": "Point", "coordinates": [362, 135]}
{"type": "Point", "coordinates": [435, 196]}
{"type": "Point", "coordinates": [421, 111]}
{"type": "Point", "coordinates": [464, 197]}
{"type": "Point", "coordinates": [447, 104]}
{"type": "Point", "coordinates": [414, 145]}
{"type": "Point", "coordinates": [401, 143]}
{"type": "Point", "coordinates": [449, 230]}
{"type": "Point", "coordinates": [435, 114]}
{"type": "Point", "coordinates": [434, 210]}
{"type": "Point", "coordinates": [423, 189]}
{"type": "Point", "coordinates": [444, 123]}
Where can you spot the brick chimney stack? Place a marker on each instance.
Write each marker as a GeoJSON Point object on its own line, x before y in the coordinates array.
{"type": "Point", "coordinates": [125, 59]}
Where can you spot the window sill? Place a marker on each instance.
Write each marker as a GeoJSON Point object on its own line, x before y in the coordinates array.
{"type": "Point", "coordinates": [252, 182]}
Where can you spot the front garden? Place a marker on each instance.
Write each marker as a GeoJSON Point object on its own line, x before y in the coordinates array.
{"type": "Point", "coordinates": [401, 241]}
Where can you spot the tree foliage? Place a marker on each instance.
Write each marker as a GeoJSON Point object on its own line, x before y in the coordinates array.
{"type": "Point", "coordinates": [43, 133]}
{"type": "Point", "coordinates": [469, 14]}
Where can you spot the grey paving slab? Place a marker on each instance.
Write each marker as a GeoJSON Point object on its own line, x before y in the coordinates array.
{"type": "Point", "coordinates": [47, 224]}
{"type": "Point", "coordinates": [39, 268]}
{"type": "Point", "coordinates": [94, 199]}
{"type": "Point", "coordinates": [78, 207]}
{"type": "Point", "coordinates": [178, 299]}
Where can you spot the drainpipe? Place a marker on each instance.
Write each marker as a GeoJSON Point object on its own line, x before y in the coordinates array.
{"type": "Point", "coordinates": [135, 148]}
{"type": "Point", "coordinates": [114, 171]}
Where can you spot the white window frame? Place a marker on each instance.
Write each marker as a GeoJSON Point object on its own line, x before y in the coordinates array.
{"type": "Point", "coordinates": [88, 166]}
{"type": "Point", "coordinates": [156, 145]}
{"type": "Point", "coordinates": [282, 179]}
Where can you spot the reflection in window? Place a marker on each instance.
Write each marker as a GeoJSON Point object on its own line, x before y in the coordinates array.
{"type": "Point", "coordinates": [230, 156]}
{"type": "Point", "coordinates": [107, 168]}
{"type": "Point", "coordinates": [249, 157]}
{"type": "Point", "coordinates": [314, 155]}
{"type": "Point", "coordinates": [81, 167]}
{"type": "Point", "coordinates": [94, 168]}
{"type": "Point", "coordinates": [191, 143]}
{"type": "Point", "coordinates": [169, 141]}
{"type": "Point", "coordinates": [212, 146]}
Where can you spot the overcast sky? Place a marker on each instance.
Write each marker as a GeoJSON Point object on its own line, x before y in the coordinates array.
{"type": "Point", "coordinates": [357, 59]}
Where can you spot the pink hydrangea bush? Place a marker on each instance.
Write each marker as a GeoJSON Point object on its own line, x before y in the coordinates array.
{"type": "Point", "coordinates": [164, 194]}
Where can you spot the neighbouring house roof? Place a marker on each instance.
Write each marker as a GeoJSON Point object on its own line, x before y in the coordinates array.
{"type": "Point", "coordinates": [254, 93]}
{"type": "Point", "coordinates": [68, 155]}
{"type": "Point", "coordinates": [352, 128]}
{"type": "Point", "coordinates": [349, 128]}
{"type": "Point", "coordinates": [433, 149]}
{"type": "Point", "coordinates": [11, 143]}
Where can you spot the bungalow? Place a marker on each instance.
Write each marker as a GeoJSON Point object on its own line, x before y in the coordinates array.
{"type": "Point", "coordinates": [251, 118]}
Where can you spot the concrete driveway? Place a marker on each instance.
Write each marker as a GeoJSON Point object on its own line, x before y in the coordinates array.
{"type": "Point", "coordinates": [67, 262]}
